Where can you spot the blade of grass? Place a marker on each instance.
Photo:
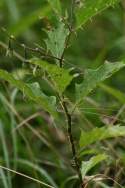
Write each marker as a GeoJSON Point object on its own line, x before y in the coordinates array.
{"type": "Point", "coordinates": [22, 134]}
{"type": "Point", "coordinates": [26, 176]}
{"type": "Point", "coordinates": [41, 170]}
{"type": "Point", "coordinates": [5, 151]}
{"type": "Point", "coordinates": [12, 7]}
{"type": "Point", "coordinates": [12, 126]}
{"type": "Point", "coordinates": [14, 135]}
{"type": "Point", "coordinates": [114, 92]}
{"type": "Point", "coordinates": [4, 179]}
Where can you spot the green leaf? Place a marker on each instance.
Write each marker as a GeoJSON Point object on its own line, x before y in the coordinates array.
{"type": "Point", "coordinates": [91, 8]}
{"type": "Point", "coordinates": [98, 134]}
{"type": "Point", "coordinates": [32, 91]}
{"type": "Point", "coordinates": [55, 5]}
{"type": "Point", "coordinates": [88, 152]}
{"type": "Point", "coordinates": [60, 76]}
{"type": "Point", "coordinates": [56, 40]}
{"type": "Point", "coordinates": [120, 96]}
{"type": "Point", "coordinates": [94, 77]}
{"type": "Point", "coordinates": [88, 165]}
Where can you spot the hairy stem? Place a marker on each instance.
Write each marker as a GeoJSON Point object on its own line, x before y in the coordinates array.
{"type": "Point", "coordinates": [71, 139]}
{"type": "Point", "coordinates": [69, 118]}
{"type": "Point", "coordinates": [67, 114]}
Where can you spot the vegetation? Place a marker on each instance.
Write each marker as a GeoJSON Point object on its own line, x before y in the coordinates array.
{"type": "Point", "coordinates": [62, 100]}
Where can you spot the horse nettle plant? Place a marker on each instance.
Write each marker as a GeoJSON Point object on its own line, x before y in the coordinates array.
{"type": "Point", "coordinates": [51, 62]}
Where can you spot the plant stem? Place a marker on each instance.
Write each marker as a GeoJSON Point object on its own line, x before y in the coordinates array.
{"type": "Point", "coordinates": [67, 114]}
{"type": "Point", "coordinates": [69, 124]}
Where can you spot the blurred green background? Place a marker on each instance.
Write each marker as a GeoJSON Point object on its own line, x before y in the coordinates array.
{"type": "Point", "coordinates": [39, 147]}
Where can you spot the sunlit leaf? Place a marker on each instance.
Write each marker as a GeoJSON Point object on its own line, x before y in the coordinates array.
{"type": "Point", "coordinates": [90, 8]}
{"type": "Point", "coordinates": [98, 134]}
{"type": "Point", "coordinates": [60, 76]}
{"type": "Point", "coordinates": [32, 91]}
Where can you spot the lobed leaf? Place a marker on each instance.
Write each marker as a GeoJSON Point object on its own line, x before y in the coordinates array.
{"type": "Point", "coordinates": [94, 77]}
{"type": "Point", "coordinates": [56, 40]}
{"type": "Point", "coordinates": [91, 8]}
{"type": "Point", "coordinates": [32, 91]}
{"type": "Point", "coordinates": [60, 76]}
{"type": "Point", "coordinates": [98, 134]}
